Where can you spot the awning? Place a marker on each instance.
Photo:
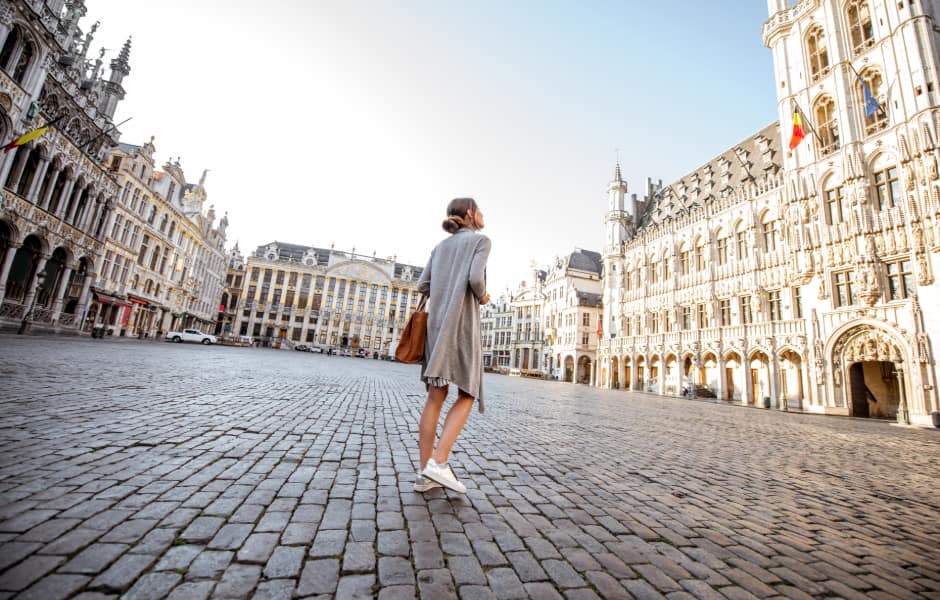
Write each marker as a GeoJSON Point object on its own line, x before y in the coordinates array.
{"type": "Point", "coordinates": [109, 299]}
{"type": "Point", "coordinates": [137, 300]}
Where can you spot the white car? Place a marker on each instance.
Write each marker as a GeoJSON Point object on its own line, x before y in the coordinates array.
{"type": "Point", "coordinates": [191, 335]}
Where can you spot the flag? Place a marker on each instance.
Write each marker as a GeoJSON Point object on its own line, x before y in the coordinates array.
{"type": "Point", "coordinates": [26, 137]}
{"type": "Point", "coordinates": [600, 326]}
{"type": "Point", "coordinates": [798, 133]}
{"type": "Point", "coordinates": [871, 104]}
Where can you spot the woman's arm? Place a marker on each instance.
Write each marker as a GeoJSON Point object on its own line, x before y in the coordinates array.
{"type": "Point", "coordinates": [478, 267]}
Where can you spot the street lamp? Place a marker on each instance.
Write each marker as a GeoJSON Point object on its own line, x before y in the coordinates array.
{"type": "Point", "coordinates": [24, 325]}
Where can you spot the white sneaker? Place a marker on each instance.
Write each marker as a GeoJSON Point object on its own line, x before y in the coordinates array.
{"type": "Point", "coordinates": [423, 484]}
{"type": "Point", "coordinates": [443, 475]}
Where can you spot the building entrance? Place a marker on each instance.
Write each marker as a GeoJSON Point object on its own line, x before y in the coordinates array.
{"type": "Point", "coordinates": [873, 390]}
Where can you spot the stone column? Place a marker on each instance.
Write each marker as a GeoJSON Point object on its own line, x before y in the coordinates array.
{"type": "Point", "coordinates": [781, 403]}
{"type": "Point", "coordinates": [64, 198]}
{"type": "Point", "coordinates": [43, 202]}
{"type": "Point", "coordinates": [17, 168]}
{"type": "Point", "coordinates": [76, 199]}
{"type": "Point", "coordinates": [33, 283]}
{"type": "Point", "coordinates": [37, 180]}
{"type": "Point", "coordinates": [748, 384]}
{"type": "Point", "coordinates": [904, 417]}
{"type": "Point", "coordinates": [83, 297]}
{"type": "Point", "coordinates": [57, 303]}
{"type": "Point", "coordinates": [722, 376]}
{"type": "Point", "coordinates": [5, 269]}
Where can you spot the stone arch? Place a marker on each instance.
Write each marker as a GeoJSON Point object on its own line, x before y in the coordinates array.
{"type": "Point", "coordinates": [640, 383]}
{"type": "Point", "coordinates": [864, 356]}
{"type": "Point", "coordinates": [790, 365]}
{"type": "Point", "coordinates": [733, 375]}
{"type": "Point", "coordinates": [625, 364]}
{"type": "Point", "coordinates": [569, 369]}
{"type": "Point", "coordinates": [584, 369]}
{"type": "Point", "coordinates": [614, 372]}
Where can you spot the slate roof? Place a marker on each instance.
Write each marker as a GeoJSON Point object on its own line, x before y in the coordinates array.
{"type": "Point", "coordinates": [585, 260]}
{"type": "Point", "coordinates": [589, 299]}
{"type": "Point", "coordinates": [295, 253]}
{"type": "Point", "coordinates": [751, 161]}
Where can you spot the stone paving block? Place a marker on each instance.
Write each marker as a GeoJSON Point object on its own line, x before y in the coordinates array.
{"type": "Point", "coordinates": [230, 537]}
{"type": "Point", "coordinates": [25, 521]}
{"type": "Point", "coordinates": [542, 591]}
{"type": "Point", "coordinates": [359, 557]}
{"type": "Point", "coordinates": [436, 583]}
{"type": "Point", "coordinates": [466, 570]}
{"type": "Point", "coordinates": [237, 581]}
{"type": "Point", "coordinates": [278, 589]}
{"type": "Point", "coordinates": [192, 590]}
{"type": "Point", "coordinates": [28, 571]}
{"type": "Point", "coordinates": [49, 530]}
{"type": "Point", "coordinates": [209, 564]}
{"type": "Point", "coordinates": [202, 529]}
{"type": "Point", "coordinates": [286, 561]}
{"type": "Point", "coordinates": [395, 571]}
{"type": "Point", "coordinates": [153, 586]}
{"type": "Point", "coordinates": [94, 559]}
{"type": "Point", "coordinates": [13, 552]}
{"type": "Point", "coordinates": [129, 532]}
{"type": "Point", "coordinates": [178, 557]}
{"type": "Point", "coordinates": [398, 592]}
{"type": "Point", "coordinates": [329, 542]}
{"type": "Point", "coordinates": [54, 587]}
{"type": "Point", "coordinates": [120, 575]}
{"type": "Point", "coordinates": [476, 592]}
{"type": "Point", "coordinates": [319, 577]}
{"type": "Point", "coordinates": [505, 583]}
{"type": "Point", "coordinates": [155, 543]}
{"type": "Point", "coordinates": [562, 574]}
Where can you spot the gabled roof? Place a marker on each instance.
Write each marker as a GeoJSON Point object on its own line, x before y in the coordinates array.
{"type": "Point", "coordinates": [754, 160]}
{"type": "Point", "coordinates": [585, 260]}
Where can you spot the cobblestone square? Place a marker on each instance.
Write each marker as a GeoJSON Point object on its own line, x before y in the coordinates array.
{"type": "Point", "coordinates": [151, 470]}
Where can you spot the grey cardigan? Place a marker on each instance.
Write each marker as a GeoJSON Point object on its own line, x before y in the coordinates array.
{"type": "Point", "coordinates": [455, 281]}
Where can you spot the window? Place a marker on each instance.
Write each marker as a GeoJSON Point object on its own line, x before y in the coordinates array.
{"type": "Point", "coordinates": [797, 304]}
{"type": "Point", "coordinates": [817, 53]}
{"type": "Point", "coordinates": [724, 312]}
{"type": "Point", "coordinates": [845, 291]}
{"type": "Point", "coordinates": [666, 274]}
{"type": "Point", "coordinates": [886, 187]}
{"type": "Point", "coordinates": [835, 205]}
{"type": "Point", "coordinates": [586, 320]}
{"type": "Point", "coordinates": [700, 256]}
{"type": "Point", "coordinates": [700, 316]}
{"type": "Point", "coordinates": [900, 280]}
{"type": "Point", "coordinates": [770, 236]}
{"type": "Point", "coordinates": [585, 337]}
{"type": "Point", "coordinates": [684, 260]}
{"type": "Point", "coordinates": [861, 34]}
{"type": "Point", "coordinates": [627, 280]}
{"type": "Point", "coordinates": [878, 119]}
{"type": "Point", "coordinates": [654, 272]}
{"type": "Point", "coordinates": [654, 322]}
{"type": "Point", "coordinates": [686, 317]}
{"type": "Point", "coordinates": [826, 125]}
{"type": "Point", "coordinates": [746, 316]}
{"type": "Point", "coordinates": [741, 241]}
{"type": "Point", "coordinates": [773, 302]}
{"type": "Point", "coordinates": [722, 250]}
{"type": "Point", "coordinates": [143, 250]}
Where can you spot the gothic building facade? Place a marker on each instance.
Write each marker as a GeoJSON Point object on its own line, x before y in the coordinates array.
{"type": "Point", "coordinates": [797, 278]}
{"type": "Point", "coordinates": [57, 198]}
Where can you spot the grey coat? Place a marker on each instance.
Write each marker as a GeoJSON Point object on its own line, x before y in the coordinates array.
{"type": "Point", "coordinates": [455, 280]}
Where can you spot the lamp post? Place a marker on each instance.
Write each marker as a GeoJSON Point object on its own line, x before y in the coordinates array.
{"type": "Point", "coordinates": [24, 325]}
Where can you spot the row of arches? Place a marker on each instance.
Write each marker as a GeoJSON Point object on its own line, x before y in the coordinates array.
{"type": "Point", "coordinates": [57, 188]}
{"type": "Point", "coordinates": [38, 283]}
{"type": "Point", "coordinates": [756, 378]}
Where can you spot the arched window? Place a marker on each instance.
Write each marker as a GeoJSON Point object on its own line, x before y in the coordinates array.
{"type": "Point", "coordinates": [887, 190]}
{"type": "Point", "coordinates": [22, 65]}
{"type": "Point", "coordinates": [837, 210]}
{"type": "Point", "coordinates": [878, 119]}
{"type": "Point", "coordinates": [722, 247]}
{"type": "Point", "coordinates": [9, 46]}
{"type": "Point", "coordinates": [769, 233]}
{"type": "Point", "coordinates": [826, 125]}
{"type": "Point", "coordinates": [700, 254]}
{"type": "Point", "coordinates": [685, 260]}
{"type": "Point", "coordinates": [861, 34]}
{"type": "Point", "coordinates": [818, 53]}
{"type": "Point", "coordinates": [740, 241]}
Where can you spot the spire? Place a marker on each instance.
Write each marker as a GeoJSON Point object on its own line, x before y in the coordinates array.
{"type": "Point", "coordinates": [121, 64]}
{"type": "Point", "coordinates": [617, 177]}
{"type": "Point", "coordinates": [202, 180]}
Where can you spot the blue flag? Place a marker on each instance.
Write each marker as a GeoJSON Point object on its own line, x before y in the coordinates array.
{"type": "Point", "coordinates": [871, 105]}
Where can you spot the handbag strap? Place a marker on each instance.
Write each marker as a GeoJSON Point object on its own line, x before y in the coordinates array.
{"type": "Point", "coordinates": [421, 303]}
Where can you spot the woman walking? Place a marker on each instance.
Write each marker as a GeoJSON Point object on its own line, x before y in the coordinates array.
{"type": "Point", "coordinates": [455, 283]}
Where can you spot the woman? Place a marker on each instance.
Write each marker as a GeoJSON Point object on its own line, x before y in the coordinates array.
{"type": "Point", "coordinates": [455, 283]}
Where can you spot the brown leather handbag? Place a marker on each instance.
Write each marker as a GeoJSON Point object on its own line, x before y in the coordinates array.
{"type": "Point", "coordinates": [411, 344]}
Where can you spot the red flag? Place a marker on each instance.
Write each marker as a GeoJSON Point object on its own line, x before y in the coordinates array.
{"type": "Point", "coordinates": [600, 326]}
{"type": "Point", "coordinates": [798, 133]}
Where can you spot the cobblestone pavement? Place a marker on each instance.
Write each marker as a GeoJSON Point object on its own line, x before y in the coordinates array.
{"type": "Point", "coordinates": [149, 470]}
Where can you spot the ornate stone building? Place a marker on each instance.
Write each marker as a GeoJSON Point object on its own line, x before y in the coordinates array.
{"type": "Point", "coordinates": [164, 257]}
{"type": "Point", "coordinates": [308, 295]}
{"type": "Point", "coordinates": [231, 293]}
{"type": "Point", "coordinates": [58, 199]}
{"type": "Point", "coordinates": [797, 278]}
{"type": "Point", "coordinates": [527, 303]}
{"type": "Point", "coordinates": [572, 310]}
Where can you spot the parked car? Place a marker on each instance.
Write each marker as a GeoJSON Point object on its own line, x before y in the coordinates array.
{"type": "Point", "coordinates": [701, 391]}
{"type": "Point", "coordinates": [346, 352]}
{"type": "Point", "coordinates": [302, 348]}
{"type": "Point", "coordinates": [191, 335]}
{"type": "Point", "coordinates": [362, 353]}
{"type": "Point", "coordinates": [315, 349]}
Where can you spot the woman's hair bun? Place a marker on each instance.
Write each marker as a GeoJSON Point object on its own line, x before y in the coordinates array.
{"type": "Point", "coordinates": [452, 224]}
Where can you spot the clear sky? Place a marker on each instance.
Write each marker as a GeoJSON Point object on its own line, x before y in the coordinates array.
{"type": "Point", "coordinates": [354, 123]}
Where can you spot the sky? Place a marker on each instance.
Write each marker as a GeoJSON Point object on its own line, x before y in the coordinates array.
{"type": "Point", "coordinates": [353, 123]}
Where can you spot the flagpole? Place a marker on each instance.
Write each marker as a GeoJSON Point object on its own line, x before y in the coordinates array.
{"type": "Point", "coordinates": [106, 131]}
{"type": "Point", "coordinates": [864, 85]}
{"type": "Point", "coordinates": [795, 104]}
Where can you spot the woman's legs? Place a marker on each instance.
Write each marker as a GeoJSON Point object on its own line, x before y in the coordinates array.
{"type": "Point", "coordinates": [427, 427]}
{"type": "Point", "coordinates": [453, 425]}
